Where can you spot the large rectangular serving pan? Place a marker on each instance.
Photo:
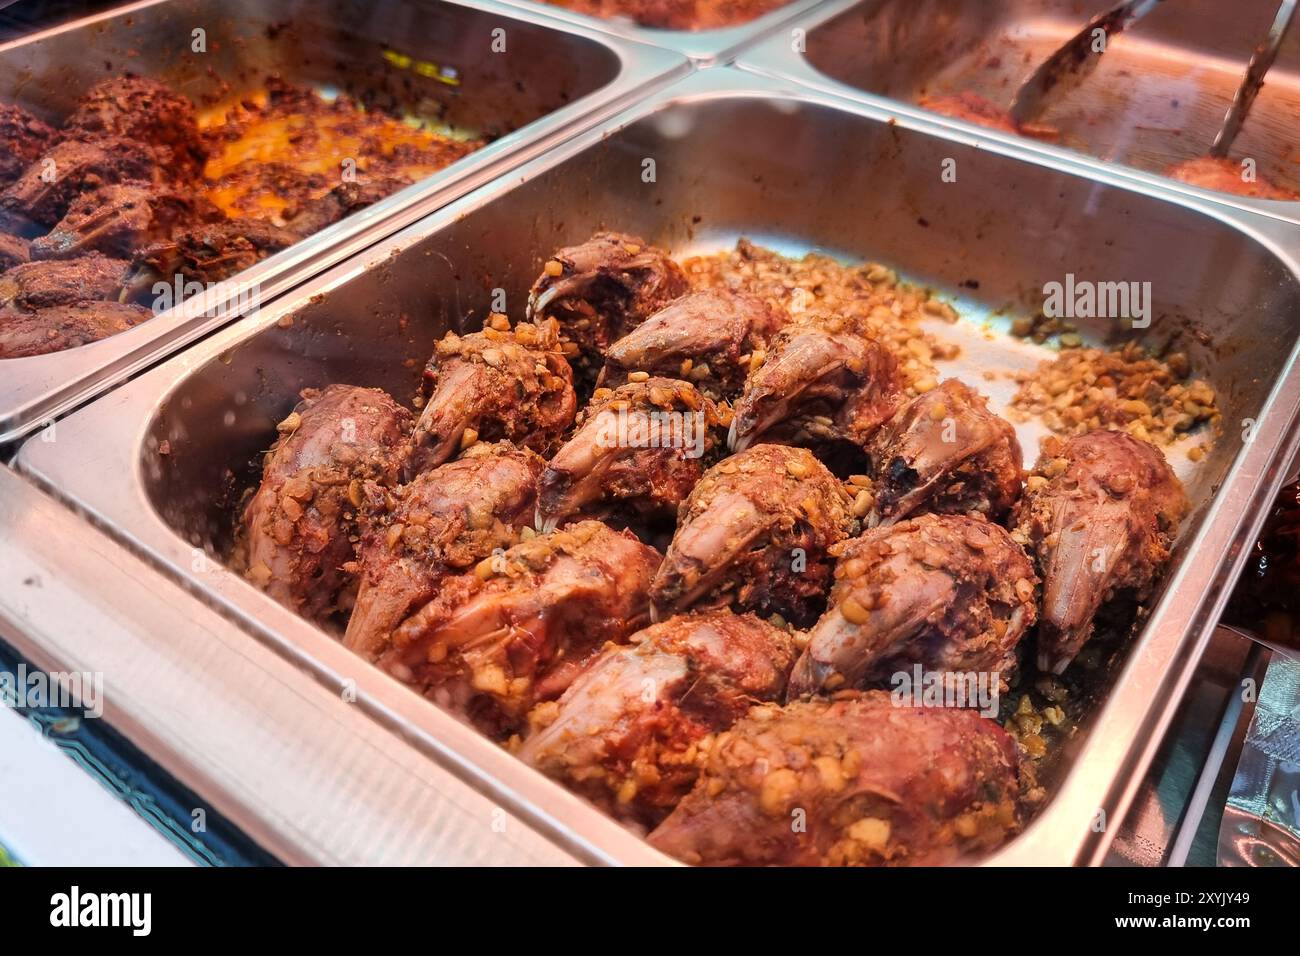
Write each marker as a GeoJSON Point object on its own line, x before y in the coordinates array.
{"type": "Point", "coordinates": [1157, 97]}
{"type": "Point", "coordinates": [550, 77]}
{"type": "Point", "coordinates": [705, 47]}
{"type": "Point", "coordinates": [792, 168]}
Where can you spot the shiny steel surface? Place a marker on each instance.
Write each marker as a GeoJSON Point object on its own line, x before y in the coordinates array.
{"type": "Point", "coordinates": [551, 79]}
{"type": "Point", "coordinates": [155, 461]}
{"type": "Point", "coordinates": [1075, 60]}
{"type": "Point", "coordinates": [1156, 98]}
{"type": "Point", "coordinates": [1261, 61]}
{"type": "Point", "coordinates": [705, 47]}
{"type": "Point", "coordinates": [302, 771]}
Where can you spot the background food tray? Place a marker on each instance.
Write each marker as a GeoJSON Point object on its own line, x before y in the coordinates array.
{"type": "Point", "coordinates": [551, 77]}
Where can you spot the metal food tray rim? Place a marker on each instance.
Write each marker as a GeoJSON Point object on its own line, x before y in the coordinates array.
{"type": "Point", "coordinates": [37, 389]}
{"type": "Point", "coordinates": [773, 56]}
{"type": "Point", "coordinates": [704, 47]}
{"type": "Point", "coordinates": [1126, 729]}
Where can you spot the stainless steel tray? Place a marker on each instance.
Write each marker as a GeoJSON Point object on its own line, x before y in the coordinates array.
{"type": "Point", "coordinates": [705, 47]}
{"type": "Point", "coordinates": [551, 78]}
{"type": "Point", "coordinates": [1158, 96]}
{"type": "Point", "coordinates": [791, 168]}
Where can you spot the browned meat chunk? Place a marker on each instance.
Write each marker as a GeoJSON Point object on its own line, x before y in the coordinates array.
{"type": "Point", "coordinates": [14, 251]}
{"type": "Point", "coordinates": [140, 109]}
{"type": "Point", "coordinates": [711, 338]}
{"type": "Point", "coordinates": [299, 525]}
{"type": "Point", "coordinates": [445, 521]}
{"type": "Point", "coordinates": [755, 534]}
{"type": "Point", "coordinates": [855, 781]}
{"type": "Point", "coordinates": [43, 192]}
{"type": "Point", "coordinates": [637, 453]}
{"type": "Point", "coordinates": [23, 138]}
{"type": "Point", "coordinates": [948, 592]}
{"type": "Point", "coordinates": [520, 627]}
{"type": "Point", "coordinates": [39, 285]}
{"type": "Point", "coordinates": [626, 735]}
{"type": "Point", "coordinates": [64, 326]}
{"type": "Point", "coordinates": [211, 252]}
{"type": "Point", "coordinates": [1100, 513]}
{"type": "Point", "coordinates": [601, 290]}
{"type": "Point", "coordinates": [822, 381]}
{"type": "Point", "coordinates": [945, 452]}
{"type": "Point", "coordinates": [117, 219]}
{"type": "Point", "coordinates": [313, 215]}
{"type": "Point", "coordinates": [499, 384]}
{"type": "Point", "coordinates": [1226, 176]}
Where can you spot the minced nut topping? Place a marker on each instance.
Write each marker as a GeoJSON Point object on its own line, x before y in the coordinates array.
{"type": "Point", "coordinates": [1126, 389]}
{"type": "Point", "coordinates": [870, 294]}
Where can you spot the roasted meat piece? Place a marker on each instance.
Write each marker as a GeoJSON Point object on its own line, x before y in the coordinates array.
{"type": "Point", "coordinates": [601, 290]}
{"type": "Point", "coordinates": [711, 337]}
{"type": "Point", "coordinates": [854, 781]}
{"type": "Point", "coordinates": [14, 251]}
{"type": "Point", "coordinates": [945, 452]}
{"type": "Point", "coordinates": [949, 592]}
{"type": "Point", "coordinates": [23, 138]}
{"type": "Point", "coordinates": [313, 215]}
{"type": "Point", "coordinates": [520, 627]}
{"type": "Point", "coordinates": [116, 219]}
{"type": "Point", "coordinates": [43, 192]}
{"type": "Point", "coordinates": [637, 453]}
{"type": "Point", "coordinates": [755, 534]}
{"type": "Point", "coordinates": [62, 327]}
{"type": "Point", "coordinates": [1226, 176]}
{"type": "Point", "coordinates": [144, 110]}
{"type": "Point", "coordinates": [444, 521]}
{"type": "Point", "coordinates": [39, 285]}
{"type": "Point", "coordinates": [500, 384]}
{"type": "Point", "coordinates": [822, 381]}
{"type": "Point", "coordinates": [1099, 513]}
{"type": "Point", "coordinates": [210, 252]}
{"type": "Point", "coordinates": [298, 527]}
{"type": "Point", "coordinates": [627, 732]}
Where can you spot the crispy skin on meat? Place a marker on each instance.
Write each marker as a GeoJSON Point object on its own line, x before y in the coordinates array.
{"type": "Point", "coordinates": [755, 534]}
{"type": "Point", "coordinates": [601, 290]}
{"type": "Point", "coordinates": [14, 251]}
{"type": "Point", "coordinates": [39, 285]}
{"type": "Point", "coordinates": [626, 734]}
{"type": "Point", "coordinates": [1100, 513]}
{"type": "Point", "coordinates": [444, 521]}
{"type": "Point", "coordinates": [944, 451]}
{"type": "Point", "coordinates": [823, 381]}
{"type": "Point", "coordinates": [871, 783]}
{"type": "Point", "coordinates": [948, 592]}
{"type": "Point", "coordinates": [210, 252]}
{"type": "Point", "coordinates": [143, 110]}
{"type": "Point", "coordinates": [520, 627]}
{"type": "Point", "coordinates": [117, 219]}
{"type": "Point", "coordinates": [43, 191]}
{"type": "Point", "coordinates": [62, 327]}
{"type": "Point", "coordinates": [333, 448]}
{"type": "Point", "coordinates": [23, 138]}
{"type": "Point", "coordinates": [711, 337]}
{"type": "Point", "coordinates": [636, 454]}
{"type": "Point", "coordinates": [503, 384]}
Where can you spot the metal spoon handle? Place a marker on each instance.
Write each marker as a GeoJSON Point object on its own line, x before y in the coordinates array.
{"type": "Point", "coordinates": [1076, 58]}
{"type": "Point", "coordinates": [1260, 61]}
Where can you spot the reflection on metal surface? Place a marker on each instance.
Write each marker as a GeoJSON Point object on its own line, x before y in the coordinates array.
{"type": "Point", "coordinates": [550, 80]}
{"type": "Point", "coordinates": [164, 444]}
{"type": "Point", "coordinates": [1261, 824]}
